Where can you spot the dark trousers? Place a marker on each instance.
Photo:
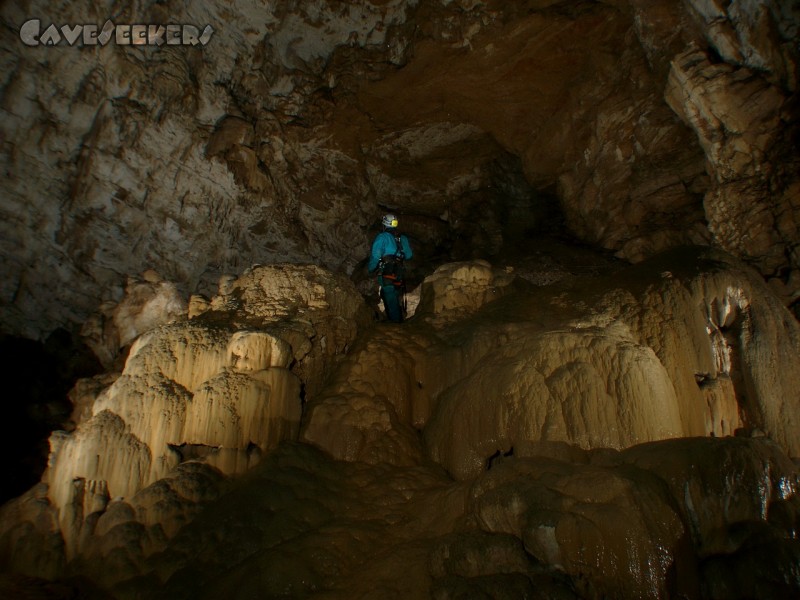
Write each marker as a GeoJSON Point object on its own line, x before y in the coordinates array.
{"type": "Point", "coordinates": [391, 302]}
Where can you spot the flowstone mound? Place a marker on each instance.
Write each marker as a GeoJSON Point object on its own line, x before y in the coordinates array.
{"type": "Point", "coordinates": [223, 388]}
{"type": "Point", "coordinates": [148, 302]}
{"type": "Point", "coordinates": [681, 343]}
{"type": "Point", "coordinates": [690, 343]}
{"type": "Point", "coordinates": [645, 522]}
{"type": "Point", "coordinates": [665, 519]}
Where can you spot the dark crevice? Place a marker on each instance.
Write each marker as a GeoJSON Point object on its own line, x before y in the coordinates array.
{"type": "Point", "coordinates": [497, 457]}
{"type": "Point", "coordinates": [749, 414]}
{"type": "Point", "coordinates": [38, 377]}
{"type": "Point", "coordinates": [192, 451]}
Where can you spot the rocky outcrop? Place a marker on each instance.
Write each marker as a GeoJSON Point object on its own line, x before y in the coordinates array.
{"type": "Point", "coordinates": [557, 431]}
{"type": "Point", "coordinates": [122, 159]}
{"type": "Point", "coordinates": [148, 302]}
{"type": "Point", "coordinates": [734, 89]}
{"type": "Point", "coordinates": [628, 524]}
{"type": "Point", "coordinates": [742, 123]}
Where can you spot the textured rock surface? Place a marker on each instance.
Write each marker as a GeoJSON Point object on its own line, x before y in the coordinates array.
{"type": "Point", "coordinates": [223, 388]}
{"type": "Point", "coordinates": [156, 159]}
{"type": "Point", "coordinates": [639, 523]}
{"type": "Point", "coordinates": [148, 302]}
{"type": "Point", "coordinates": [689, 344]}
{"type": "Point", "coordinates": [508, 441]}
{"type": "Point", "coordinates": [286, 135]}
{"type": "Point", "coordinates": [611, 524]}
{"type": "Point", "coordinates": [742, 122]}
{"type": "Point", "coordinates": [536, 397]}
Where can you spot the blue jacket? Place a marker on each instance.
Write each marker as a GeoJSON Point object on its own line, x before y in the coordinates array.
{"type": "Point", "coordinates": [384, 245]}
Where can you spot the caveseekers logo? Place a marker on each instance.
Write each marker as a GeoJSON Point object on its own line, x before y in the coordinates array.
{"type": "Point", "coordinates": [31, 34]}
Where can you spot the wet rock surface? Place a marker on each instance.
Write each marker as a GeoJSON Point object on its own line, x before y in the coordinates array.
{"type": "Point", "coordinates": [219, 390]}
{"type": "Point", "coordinates": [684, 345]}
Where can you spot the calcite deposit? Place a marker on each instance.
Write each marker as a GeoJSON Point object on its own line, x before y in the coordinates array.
{"type": "Point", "coordinates": [692, 344]}
{"type": "Point", "coordinates": [596, 392]}
{"type": "Point", "coordinates": [573, 439]}
{"type": "Point", "coordinates": [224, 387]}
{"type": "Point", "coordinates": [148, 301]}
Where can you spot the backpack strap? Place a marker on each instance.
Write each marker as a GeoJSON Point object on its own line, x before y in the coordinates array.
{"type": "Point", "coordinates": [398, 242]}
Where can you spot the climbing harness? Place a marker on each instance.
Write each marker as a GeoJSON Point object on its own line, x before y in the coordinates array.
{"type": "Point", "coordinates": [391, 272]}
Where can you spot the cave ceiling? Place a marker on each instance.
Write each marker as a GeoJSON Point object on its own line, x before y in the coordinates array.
{"type": "Point", "coordinates": [643, 125]}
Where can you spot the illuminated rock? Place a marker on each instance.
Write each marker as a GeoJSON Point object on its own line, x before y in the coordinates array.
{"type": "Point", "coordinates": [203, 390]}
{"type": "Point", "coordinates": [668, 348]}
{"type": "Point", "coordinates": [740, 121]}
{"type": "Point", "coordinates": [622, 524]}
{"type": "Point", "coordinates": [455, 290]}
{"type": "Point", "coordinates": [684, 345]}
{"type": "Point", "coordinates": [148, 302]}
{"type": "Point", "coordinates": [470, 128]}
{"type": "Point", "coordinates": [641, 124]}
{"type": "Point", "coordinates": [669, 354]}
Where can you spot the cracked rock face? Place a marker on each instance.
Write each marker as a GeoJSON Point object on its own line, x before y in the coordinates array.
{"type": "Point", "coordinates": [645, 124]}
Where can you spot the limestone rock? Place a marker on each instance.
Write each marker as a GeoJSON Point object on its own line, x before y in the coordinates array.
{"type": "Point", "coordinates": [366, 411]}
{"type": "Point", "coordinates": [310, 316]}
{"type": "Point", "coordinates": [284, 142]}
{"type": "Point", "coordinates": [31, 543]}
{"type": "Point", "coordinates": [223, 388]}
{"type": "Point", "coordinates": [374, 402]}
{"type": "Point", "coordinates": [145, 161]}
{"type": "Point", "coordinates": [645, 365]}
{"type": "Point", "coordinates": [458, 289]}
{"type": "Point", "coordinates": [642, 124]}
{"type": "Point", "coordinates": [728, 499]}
{"type": "Point", "coordinates": [608, 365]}
{"type": "Point", "coordinates": [116, 542]}
{"type": "Point", "coordinates": [636, 522]}
{"type": "Point", "coordinates": [691, 340]}
{"type": "Point", "coordinates": [84, 394]}
{"type": "Point", "coordinates": [755, 34]}
{"type": "Point", "coordinates": [743, 123]}
{"type": "Point", "coordinates": [148, 302]}
{"type": "Point", "coordinates": [573, 521]}
{"type": "Point", "coordinates": [592, 388]}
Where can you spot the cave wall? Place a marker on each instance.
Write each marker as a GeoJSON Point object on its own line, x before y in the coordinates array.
{"type": "Point", "coordinates": [648, 124]}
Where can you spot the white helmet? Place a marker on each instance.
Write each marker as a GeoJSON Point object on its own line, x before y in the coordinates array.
{"type": "Point", "coordinates": [389, 220]}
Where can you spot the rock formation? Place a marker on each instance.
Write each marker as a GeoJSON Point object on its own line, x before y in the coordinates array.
{"type": "Point", "coordinates": [700, 349]}
{"type": "Point", "coordinates": [645, 124]}
{"type": "Point", "coordinates": [148, 301]}
{"type": "Point", "coordinates": [586, 424]}
{"type": "Point", "coordinates": [223, 387]}
{"type": "Point", "coordinates": [553, 421]}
